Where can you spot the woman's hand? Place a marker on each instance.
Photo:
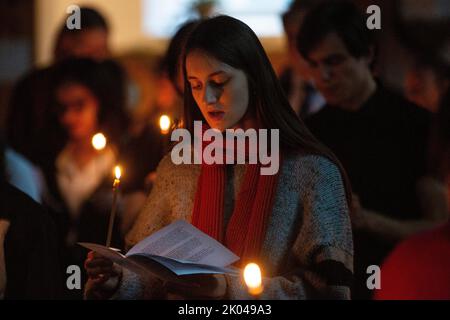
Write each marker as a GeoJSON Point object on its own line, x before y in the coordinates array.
{"type": "Point", "coordinates": [4, 226]}
{"type": "Point", "coordinates": [104, 277]}
{"type": "Point", "coordinates": [199, 287]}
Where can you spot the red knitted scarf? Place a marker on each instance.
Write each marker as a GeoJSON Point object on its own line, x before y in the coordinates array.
{"type": "Point", "coordinates": [246, 228]}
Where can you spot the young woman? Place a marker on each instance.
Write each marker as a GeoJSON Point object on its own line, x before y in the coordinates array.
{"type": "Point", "coordinates": [79, 177]}
{"type": "Point", "coordinates": [294, 223]}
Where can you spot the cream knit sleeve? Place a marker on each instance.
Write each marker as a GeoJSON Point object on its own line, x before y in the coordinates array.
{"type": "Point", "coordinates": [156, 211]}
{"type": "Point", "coordinates": [321, 257]}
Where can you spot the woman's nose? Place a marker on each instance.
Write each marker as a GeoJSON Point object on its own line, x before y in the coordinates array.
{"type": "Point", "coordinates": [210, 95]}
{"type": "Point", "coordinates": [325, 73]}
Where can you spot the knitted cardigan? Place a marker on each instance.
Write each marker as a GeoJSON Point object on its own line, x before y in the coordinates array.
{"type": "Point", "coordinates": [308, 249]}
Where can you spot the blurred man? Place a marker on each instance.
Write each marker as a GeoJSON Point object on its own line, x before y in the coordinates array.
{"type": "Point", "coordinates": [426, 81]}
{"type": "Point", "coordinates": [379, 137]}
{"type": "Point", "coordinates": [303, 97]}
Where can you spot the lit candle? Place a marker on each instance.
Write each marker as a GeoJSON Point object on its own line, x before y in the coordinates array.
{"type": "Point", "coordinates": [99, 141]}
{"type": "Point", "coordinates": [252, 277]}
{"type": "Point", "coordinates": [164, 124]}
{"type": "Point", "coordinates": [116, 185]}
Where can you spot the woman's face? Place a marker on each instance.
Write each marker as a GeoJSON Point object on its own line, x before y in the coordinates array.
{"type": "Point", "coordinates": [78, 110]}
{"type": "Point", "coordinates": [220, 91]}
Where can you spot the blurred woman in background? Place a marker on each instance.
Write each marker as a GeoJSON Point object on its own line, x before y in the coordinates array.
{"type": "Point", "coordinates": [87, 100]}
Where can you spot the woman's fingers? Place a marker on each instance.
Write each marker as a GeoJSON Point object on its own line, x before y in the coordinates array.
{"type": "Point", "coordinates": [95, 260]}
{"type": "Point", "coordinates": [99, 268]}
{"type": "Point", "coordinates": [98, 262]}
{"type": "Point", "coordinates": [95, 272]}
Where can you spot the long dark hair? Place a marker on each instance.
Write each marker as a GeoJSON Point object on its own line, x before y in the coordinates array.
{"type": "Point", "coordinates": [171, 63]}
{"type": "Point", "coordinates": [234, 43]}
{"type": "Point", "coordinates": [106, 82]}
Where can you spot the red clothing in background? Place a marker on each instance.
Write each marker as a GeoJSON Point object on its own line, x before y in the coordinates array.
{"type": "Point", "coordinates": [419, 268]}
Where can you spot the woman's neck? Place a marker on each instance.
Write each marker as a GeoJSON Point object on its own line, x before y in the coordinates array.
{"type": "Point", "coordinates": [81, 151]}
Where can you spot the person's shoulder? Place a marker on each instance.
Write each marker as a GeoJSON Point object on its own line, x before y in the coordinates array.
{"type": "Point", "coordinates": [168, 167]}
{"type": "Point", "coordinates": [398, 103]}
{"type": "Point", "coordinates": [19, 205]}
{"type": "Point", "coordinates": [324, 112]}
{"type": "Point", "coordinates": [313, 165]}
{"type": "Point", "coordinates": [320, 119]}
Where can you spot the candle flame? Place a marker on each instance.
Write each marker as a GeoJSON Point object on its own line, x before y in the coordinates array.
{"type": "Point", "coordinates": [118, 172]}
{"type": "Point", "coordinates": [252, 277]}
{"type": "Point", "coordinates": [164, 123]}
{"type": "Point", "coordinates": [99, 141]}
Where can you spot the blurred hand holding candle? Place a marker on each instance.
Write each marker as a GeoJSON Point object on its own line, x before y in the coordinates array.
{"type": "Point", "coordinates": [253, 280]}
{"type": "Point", "coordinates": [116, 184]}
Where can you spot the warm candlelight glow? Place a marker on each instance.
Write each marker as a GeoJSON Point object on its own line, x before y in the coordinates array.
{"type": "Point", "coordinates": [99, 141]}
{"type": "Point", "coordinates": [164, 123]}
{"type": "Point", "coordinates": [117, 172]}
{"type": "Point", "coordinates": [252, 277]}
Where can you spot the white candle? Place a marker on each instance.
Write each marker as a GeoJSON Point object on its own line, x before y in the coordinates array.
{"type": "Point", "coordinates": [116, 184]}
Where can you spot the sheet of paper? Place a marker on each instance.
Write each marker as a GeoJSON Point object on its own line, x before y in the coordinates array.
{"type": "Point", "coordinates": [176, 250]}
{"type": "Point", "coordinates": [183, 242]}
{"type": "Point", "coordinates": [113, 255]}
{"type": "Point", "coordinates": [144, 267]}
{"type": "Point", "coordinates": [185, 268]}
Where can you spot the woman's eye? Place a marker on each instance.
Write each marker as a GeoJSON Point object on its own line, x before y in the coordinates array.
{"type": "Point", "coordinates": [219, 83]}
{"type": "Point", "coordinates": [195, 86]}
{"type": "Point", "coordinates": [334, 61]}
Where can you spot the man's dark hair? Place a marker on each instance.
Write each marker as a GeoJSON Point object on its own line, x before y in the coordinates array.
{"type": "Point", "coordinates": [171, 62]}
{"type": "Point", "coordinates": [92, 19]}
{"type": "Point", "coordinates": [340, 17]}
{"type": "Point", "coordinates": [105, 80]}
{"type": "Point", "coordinates": [296, 7]}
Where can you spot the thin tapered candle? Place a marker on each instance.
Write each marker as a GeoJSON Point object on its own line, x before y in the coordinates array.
{"type": "Point", "coordinates": [116, 185]}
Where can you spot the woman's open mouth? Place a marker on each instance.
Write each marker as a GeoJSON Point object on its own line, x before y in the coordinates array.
{"type": "Point", "coordinates": [216, 115]}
